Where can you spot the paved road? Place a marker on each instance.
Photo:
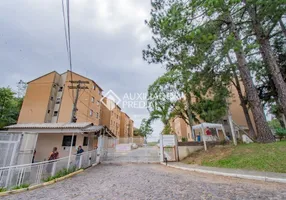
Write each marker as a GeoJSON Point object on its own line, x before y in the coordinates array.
{"type": "Point", "coordinates": [143, 181]}
{"type": "Point", "coordinates": [142, 154]}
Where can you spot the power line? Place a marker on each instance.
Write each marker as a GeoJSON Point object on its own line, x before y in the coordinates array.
{"type": "Point", "coordinates": [68, 38]}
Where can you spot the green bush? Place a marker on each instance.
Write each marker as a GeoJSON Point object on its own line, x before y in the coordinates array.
{"type": "Point", "coordinates": [3, 189]}
{"type": "Point", "coordinates": [60, 173]}
{"type": "Point", "coordinates": [184, 139]}
{"type": "Point", "coordinates": [24, 185]}
{"type": "Point", "coordinates": [280, 133]}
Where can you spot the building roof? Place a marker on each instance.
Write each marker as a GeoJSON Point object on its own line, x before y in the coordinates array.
{"type": "Point", "coordinates": [43, 76]}
{"type": "Point", "coordinates": [82, 125]}
{"type": "Point", "coordinates": [60, 128]}
{"type": "Point", "coordinates": [84, 77]}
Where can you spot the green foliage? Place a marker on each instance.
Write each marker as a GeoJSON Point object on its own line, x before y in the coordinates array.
{"type": "Point", "coordinates": [24, 185]}
{"type": "Point", "coordinates": [274, 123]}
{"type": "Point", "coordinates": [10, 107]}
{"type": "Point", "coordinates": [145, 128]}
{"type": "Point", "coordinates": [60, 173]}
{"type": "Point", "coordinates": [256, 156]}
{"type": "Point", "coordinates": [184, 139]}
{"type": "Point", "coordinates": [280, 133]}
{"type": "Point", "coordinates": [3, 189]}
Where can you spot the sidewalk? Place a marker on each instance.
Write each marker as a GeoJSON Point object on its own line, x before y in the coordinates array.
{"type": "Point", "coordinates": [238, 173]}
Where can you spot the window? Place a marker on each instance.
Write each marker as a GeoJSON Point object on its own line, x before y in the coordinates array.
{"type": "Point", "coordinates": [52, 98]}
{"type": "Point", "coordinates": [97, 115]}
{"type": "Point", "coordinates": [98, 103]}
{"type": "Point", "coordinates": [67, 140]}
{"type": "Point", "coordinates": [99, 92]}
{"type": "Point", "coordinates": [91, 112]}
{"type": "Point", "coordinates": [58, 100]}
{"type": "Point", "coordinates": [93, 87]}
{"type": "Point", "coordinates": [85, 141]}
{"type": "Point", "coordinates": [55, 113]}
{"type": "Point", "coordinates": [92, 99]}
{"type": "Point", "coordinates": [49, 111]}
{"type": "Point", "coordinates": [60, 89]}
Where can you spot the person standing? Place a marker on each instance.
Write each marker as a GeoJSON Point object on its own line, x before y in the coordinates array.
{"type": "Point", "coordinates": [78, 155]}
{"type": "Point", "coordinates": [79, 150]}
{"type": "Point", "coordinates": [55, 154]}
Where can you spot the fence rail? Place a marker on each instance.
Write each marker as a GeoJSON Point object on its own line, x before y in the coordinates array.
{"type": "Point", "coordinates": [35, 173]}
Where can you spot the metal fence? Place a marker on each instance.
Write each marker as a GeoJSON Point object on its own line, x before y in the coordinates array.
{"type": "Point", "coordinates": [131, 150]}
{"type": "Point", "coordinates": [35, 173]}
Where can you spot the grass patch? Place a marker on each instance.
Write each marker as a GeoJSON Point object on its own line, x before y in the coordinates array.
{"type": "Point", "coordinates": [60, 173]}
{"type": "Point", "coordinates": [3, 189]}
{"type": "Point", "coordinates": [25, 185]}
{"type": "Point", "coordinates": [261, 157]}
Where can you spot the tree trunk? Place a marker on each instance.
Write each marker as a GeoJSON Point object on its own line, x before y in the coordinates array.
{"type": "Point", "coordinates": [243, 104]}
{"type": "Point", "coordinates": [282, 27]}
{"type": "Point", "coordinates": [251, 131]}
{"type": "Point", "coordinates": [189, 111]}
{"type": "Point", "coordinates": [269, 58]}
{"type": "Point", "coordinates": [264, 133]}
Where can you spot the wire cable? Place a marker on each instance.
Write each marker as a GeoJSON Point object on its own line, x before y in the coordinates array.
{"type": "Point", "coordinates": [67, 39]}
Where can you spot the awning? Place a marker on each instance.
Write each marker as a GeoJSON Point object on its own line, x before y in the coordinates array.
{"type": "Point", "coordinates": [205, 125]}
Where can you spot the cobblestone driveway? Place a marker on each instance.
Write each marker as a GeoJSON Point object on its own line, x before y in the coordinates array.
{"type": "Point", "coordinates": [134, 181]}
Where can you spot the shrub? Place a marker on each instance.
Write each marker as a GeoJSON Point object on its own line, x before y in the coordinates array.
{"type": "Point", "coordinates": [184, 139]}
{"type": "Point", "coordinates": [24, 185]}
{"type": "Point", "coordinates": [60, 173]}
{"type": "Point", "coordinates": [3, 189]}
{"type": "Point", "coordinates": [280, 133]}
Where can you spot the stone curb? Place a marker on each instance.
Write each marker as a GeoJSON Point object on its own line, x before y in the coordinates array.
{"type": "Point", "coordinates": [40, 185]}
{"type": "Point", "coordinates": [243, 176]}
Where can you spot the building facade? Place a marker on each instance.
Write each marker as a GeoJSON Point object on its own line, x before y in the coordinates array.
{"type": "Point", "coordinates": [182, 129]}
{"type": "Point", "coordinates": [111, 115]}
{"type": "Point", "coordinates": [125, 125]}
{"type": "Point", "coordinates": [50, 99]}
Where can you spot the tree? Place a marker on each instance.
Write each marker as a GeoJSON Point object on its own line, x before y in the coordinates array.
{"type": "Point", "coordinates": [9, 107]}
{"type": "Point", "coordinates": [145, 128]}
{"type": "Point", "coordinates": [206, 31]}
{"type": "Point", "coordinates": [265, 16]}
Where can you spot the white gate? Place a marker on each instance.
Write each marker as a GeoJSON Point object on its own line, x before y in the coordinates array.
{"type": "Point", "coordinates": [16, 148]}
{"type": "Point", "coordinates": [136, 149]}
{"type": "Point", "coordinates": [9, 147]}
{"type": "Point", "coordinates": [169, 148]}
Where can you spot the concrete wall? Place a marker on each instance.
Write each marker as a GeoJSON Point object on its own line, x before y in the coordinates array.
{"type": "Point", "coordinates": [185, 151]}
{"type": "Point", "coordinates": [36, 101]}
{"type": "Point", "coordinates": [84, 105]}
{"type": "Point", "coordinates": [46, 142]}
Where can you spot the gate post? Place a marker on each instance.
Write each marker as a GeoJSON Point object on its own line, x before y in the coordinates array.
{"type": "Point", "coordinates": [161, 148]}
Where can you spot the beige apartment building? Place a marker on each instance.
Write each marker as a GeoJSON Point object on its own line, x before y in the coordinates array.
{"type": "Point", "coordinates": [49, 99]}
{"type": "Point", "coordinates": [131, 128]}
{"type": "Point", "coordinates": [111, 115]}
{"type": "Point", "coordinates": [182, 129]}
{"type": "Point", "coordinates": [125, 126]}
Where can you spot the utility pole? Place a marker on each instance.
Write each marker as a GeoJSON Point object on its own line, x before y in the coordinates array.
{"type": "Point", "coordinates": [78, 87]}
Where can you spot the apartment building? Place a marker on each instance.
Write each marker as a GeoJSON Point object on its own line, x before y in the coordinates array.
{"type": "Point", "coordinates": [125, 126]}
{"type": "Point", "coordinates": [49, 99]}
{"type": "Point", "coordinates": [111, 115]}
{"type": "Point", "coordinates": [182, 129]}
{"type": "Point", "coordinates": [131, 128]}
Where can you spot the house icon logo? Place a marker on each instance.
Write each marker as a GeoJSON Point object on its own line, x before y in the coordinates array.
{"type": "Point", "coordinates": [110, 100]}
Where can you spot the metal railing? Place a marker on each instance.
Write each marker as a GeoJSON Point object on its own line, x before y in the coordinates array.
{"type": "Point", "coordinates": [36, 173]}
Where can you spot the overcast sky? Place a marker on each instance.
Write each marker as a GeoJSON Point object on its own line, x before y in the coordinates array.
{"type": "Point", "coordinates": [107, 38]}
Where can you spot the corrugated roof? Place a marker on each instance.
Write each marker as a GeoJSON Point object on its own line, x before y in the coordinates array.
{"type": "Point", "coordinates": [93, 128]}
{"type": "Point", "coordinates": [82, 125]}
